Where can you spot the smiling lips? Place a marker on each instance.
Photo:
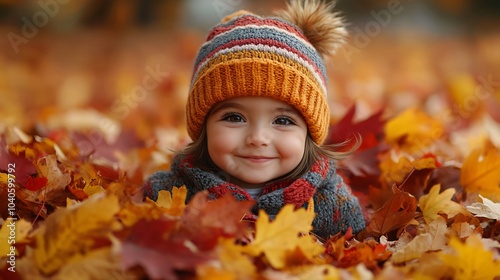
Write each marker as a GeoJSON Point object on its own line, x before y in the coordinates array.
{"type": "Point", "coordinates": [257, 159]}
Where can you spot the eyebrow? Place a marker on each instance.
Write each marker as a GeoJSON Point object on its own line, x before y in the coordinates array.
{"type": "Point", "coordinates": [224, 105]}
{"type": "Point", "coordinates": [219, 107]}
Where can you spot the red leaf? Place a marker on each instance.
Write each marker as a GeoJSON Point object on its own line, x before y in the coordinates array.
{"type": "Point", "coordinates": [24, 168]}
{"type": "Point", "coordinates": [371, 129]}
{"type": "Point", "coordinates": [35, 183]}
{"type": "Point", "coordinates": [93, 143]}
{"type": "Point", "coordinates": [204, 221]}
{"type": "Point", "coordinates": [152, 245]}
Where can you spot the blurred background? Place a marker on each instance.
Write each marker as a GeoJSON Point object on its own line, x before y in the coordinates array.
{"type": "Point", "coordinates": [122, 68]}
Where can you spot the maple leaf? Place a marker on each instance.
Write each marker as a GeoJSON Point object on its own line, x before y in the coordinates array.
{"type": "Point", "coordinates": [423, 131]}
{"type": "Point", "coordinates": [432, 240]}
{"type": "Point", "coordinates": [106, 146]}
{"type": "Point", "coordinates": [369, 252]}
{"type": "Point", "coordinates": [370, 129]}
{"type": "Point", "coordinates": [487, 209]}
{"type": "Point", "coordinates": [173, 203]}
{"type": "Point", "coordinates": [100, 263]}
{"type": "Point", "coordinates": [434, 203]}
{"type": "Point", "coordinates": [395, 213]}
{"type": "Point", "coordinates": [480, 172]}
{"type": "Point", "coordinates": [204, 220]}
{"type": "Point", "coordinates": [22, 228]}
{"type": "Point", "coordinates": [275, 239]}
{"type": "Point", "coordinates": [397, 171]}
{"type": "Point", "coordinates": [23, 164]}
{"type": "Point", "coordinates": [322, 271]}
{"type": "Point", "coordinates": [470, 260]}
{"type": "Point", "coordinates": [233, 260]}
{"type": "Point", "coordinates": [56, 179]}
{"type": "Point", "coordinates": [160, 250]}
{"type": "Point", "coordinates": [68, 232]}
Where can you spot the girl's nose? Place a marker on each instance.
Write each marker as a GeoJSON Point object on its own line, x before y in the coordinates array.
{"type": "Point", "coordinates": [258, 136]}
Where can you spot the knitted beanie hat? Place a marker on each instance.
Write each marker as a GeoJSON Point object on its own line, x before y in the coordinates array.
{"type": "Point", "coordinates": [277, 57]}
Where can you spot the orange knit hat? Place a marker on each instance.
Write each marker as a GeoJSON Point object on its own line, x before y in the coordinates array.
{"type": "Point", "coordinates": [280, 58]}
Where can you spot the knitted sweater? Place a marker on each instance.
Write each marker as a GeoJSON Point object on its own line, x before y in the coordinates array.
{"type": "Point", "coordinates": [335, 206]}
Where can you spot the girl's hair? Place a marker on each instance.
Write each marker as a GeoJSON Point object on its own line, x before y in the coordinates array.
{"type": "Point", "coordinates": [312, 152]}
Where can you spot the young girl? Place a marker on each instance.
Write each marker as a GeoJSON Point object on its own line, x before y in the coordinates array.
{"type": "Point", "coordinates": [257, 113]}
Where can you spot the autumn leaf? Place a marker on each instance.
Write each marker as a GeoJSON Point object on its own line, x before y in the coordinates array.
{"type": "Point", "coordinates": [101, 263]}
{"type": "Point", "coordinates": [434, 239]}
{"type": "Point", "coordinates": [395, 213]}
{"type": "Point", "coordinates": [368, 252]}
{"type": "Point", "coordinates": [370, 129]}
{"type": "Point", "coordinates": [173, 203]}
{"type": "Point", "coordinates": [397, 170]}
{"type": "Point", "coordinates": [487, 209]}
{"type": "Point", "coordinates": [323, 271]}
{"type": "Point", "coordinates": [434, 203]}
{"type": "Point", "coordinates": [205, 221]}
{"type": "Point", "coordinates": [68, 233]}
{"type": "Point", "coordinates": [480, 172]}
{"type": "Point", "coordinates": [21, 229]}
{"type": "Point", "coordinates": [413, 130]}
{"type": "Point", "coordinates": [275, 238]}
{"type": "Point", "coordinates": [470, 260]}
{"type": "Point", "coordinates": [233, 261]}
{"type": "Point", "coordinates": [48, 168]}
{"type": "Point", "coordinates": [160, 249]}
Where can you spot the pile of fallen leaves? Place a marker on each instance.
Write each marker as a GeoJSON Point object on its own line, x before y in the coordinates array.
{"type": "Point", "coordinates": [77, 141]}
{"type": "Point", "coordinates": [429, 215]}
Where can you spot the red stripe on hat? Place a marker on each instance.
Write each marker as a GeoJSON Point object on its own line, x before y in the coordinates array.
{"type": "Point", "coordinates": [255, 20]}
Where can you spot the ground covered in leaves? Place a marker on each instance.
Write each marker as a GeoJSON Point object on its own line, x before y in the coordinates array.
{"type": "Point", "coordinates": [75, 153]}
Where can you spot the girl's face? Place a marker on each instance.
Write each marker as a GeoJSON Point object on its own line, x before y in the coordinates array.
{"type": "Point", "coordinates": [255, 139]}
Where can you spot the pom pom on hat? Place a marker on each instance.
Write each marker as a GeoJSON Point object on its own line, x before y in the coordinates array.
{"type": "Point", "coordinates": [248, 55]}
{"type": "Point", "coordinates": [324, 29]}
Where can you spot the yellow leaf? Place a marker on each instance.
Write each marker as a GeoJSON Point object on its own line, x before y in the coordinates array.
{"type": "Point", "coordinates": [310, 248]}
{"type": "Point", "coordinates": [325, 272]}
{"type": "Point", "coordinates": [396, 172]}
{"type": "Point", "coordinates": [234, 264]}
{"type": "Point", "coordinates": [173, 203]}
{"type": "Point", "coordinates": [213, 273]}
{"type": "Point", "coordinates": [471, 260]}
{"type": "Point", "coordinates": [480, 172]}
{"type": "Point", "coordinates": [92, 189]}
{"type": "Point", "coordinates": [434, 202]}
{"type": "Point", "coordinates": [274, 239]}
{"type": "Point", "coordinates": [68, 232]}
{"type": "Point", "coordinates": [418, 129]}
{"type": "Point", "coordinates": [132, 212]}
{"type": "Point", "coordinates": [4, 178]}
{"type": "Point", "coordinates": [101, 263]}
{"type": "Point", "coordinates": [12, 233]}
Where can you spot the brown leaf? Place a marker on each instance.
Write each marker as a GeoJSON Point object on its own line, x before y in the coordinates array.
{"type": "Point", "coordinates": [395, 213]}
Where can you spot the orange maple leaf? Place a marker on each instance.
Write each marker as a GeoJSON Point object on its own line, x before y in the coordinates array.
{"type": "Point", "coordinates": [480, 172]}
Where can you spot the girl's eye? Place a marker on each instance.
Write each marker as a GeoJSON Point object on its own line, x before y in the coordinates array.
{"type": "Point", "coordinates": [231, 117]}
{"type": "Point", "coordinates": [283, 121]}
